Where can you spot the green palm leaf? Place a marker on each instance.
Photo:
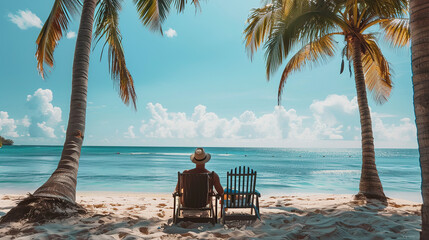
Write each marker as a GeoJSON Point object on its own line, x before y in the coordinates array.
{"type": "Point", "coordinates": [107, 26]}
{"type": "Point", "coordinates": [397, 31]}
{"type": "Point", "coordinates": [298, 28]}
{"type": "Point", "coordinates": [260, 24]}
{"type": "Point", "coordinates": [377, 71]}
{"type": "Point", "coordinates": [154, 12]}
{"type": "Point", "coordinates": [314, 52]}
{"type": "Point", "coordinates": [52, 31]}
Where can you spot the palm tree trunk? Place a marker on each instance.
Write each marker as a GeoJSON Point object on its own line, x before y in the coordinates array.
{"type": "Point", "coordinates": [370, 184]}
{"type": "Point", "coordinates": [56, 198]}
{"type": "Point", "coordinates": [62, 183]}
{"type": "Point", "coordinates": [419, 16]}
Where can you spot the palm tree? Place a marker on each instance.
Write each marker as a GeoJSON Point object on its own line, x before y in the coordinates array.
{"type": "Point", "coordinates": [286, 24]}
{"type": "Point", "coordinates": [419, 10]}
{"type": "Point", "coordinates": [59, 191]}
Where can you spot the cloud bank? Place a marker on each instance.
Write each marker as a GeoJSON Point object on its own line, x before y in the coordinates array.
{"type": "Point", "coordinates": [334, 119]}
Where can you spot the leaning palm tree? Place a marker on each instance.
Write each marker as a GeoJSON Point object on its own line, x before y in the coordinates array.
{"type": "Point", "coordinates": [419, 10]}
{"type": "Point", "coordinates": [286, 24]}
{"type": "Point", "coordinates": [59, 191]}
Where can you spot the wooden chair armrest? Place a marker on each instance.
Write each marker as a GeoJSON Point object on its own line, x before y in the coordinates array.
{"type": "Point", "coordinates": [176, 194]}
{"type": "Point", "coordinates": [216, 195]}
{"type": "Point", "coordinates": [257, 193]}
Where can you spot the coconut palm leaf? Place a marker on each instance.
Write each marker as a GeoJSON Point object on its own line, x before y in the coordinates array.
{"type": "Point", "coordinates": [397, 31]}
{"type": "Point", "coordinates": [260, 23]}
{"type": "Point", "coordinates": [180, 4]}
{"type": "Point", "coordinates": [153, 12]}
{"type": "Point", "coordinates": [106, 25]}
{"type": "Point", "coordinates": [377, 71]}
{"type": "Point", "coordinates": [314, 52]}
{"type": "Point", "coordinates": [384, 8]}
{"type": "Point", "coordinates": [52, 31]}
{"type": "Point", "coordinates": [303, 28]}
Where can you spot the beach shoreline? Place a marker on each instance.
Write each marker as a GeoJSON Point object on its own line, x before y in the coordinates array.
{"type": "Point", "coordinates": [132, 215]}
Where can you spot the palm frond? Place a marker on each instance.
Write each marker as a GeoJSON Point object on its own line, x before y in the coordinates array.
{"type": "Point", "coordinates": [52, 31]}
{"type": "Point", "coordinates": [287, 6]}
{"type": "Point", "coordinates": [386, 8]}
{"type": "Point", "coordinates": [314, 52]}
{"type": "Point", "coordinates": [154, 12]}
{"type": "Point", "coordinates": [180, 4]}
{"type": "Point", "coordinates": [260, 23]}
{"type": "Point", "coordinates": [107, 26]}
{"type": "Point", "coordinates": [377, 71]}
{"type": "Point", "coordinates": [397, 31]}
{"type": "Point", "coordinates": [301, 27]}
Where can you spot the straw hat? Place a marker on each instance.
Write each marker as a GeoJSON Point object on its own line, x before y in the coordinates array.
{"type": "Point", "coordinates": [200, 157]}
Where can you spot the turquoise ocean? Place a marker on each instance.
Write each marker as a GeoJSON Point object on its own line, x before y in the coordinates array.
{"type": "Point", "coordinates": [154, 169]}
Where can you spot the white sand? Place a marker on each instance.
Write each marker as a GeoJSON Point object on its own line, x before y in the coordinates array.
{"type": "Point", "coordinates": [148, 216]}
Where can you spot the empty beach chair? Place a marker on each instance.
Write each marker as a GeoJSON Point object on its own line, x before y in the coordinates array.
{"type": "Point", "coordinates": [241, 193]}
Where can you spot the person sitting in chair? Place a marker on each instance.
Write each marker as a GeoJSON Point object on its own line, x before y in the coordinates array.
{"type": "Point", "coordinates": [200, 158]}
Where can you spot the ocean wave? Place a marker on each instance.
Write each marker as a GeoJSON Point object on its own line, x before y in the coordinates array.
{"type": "Point", "coordinates": [224, 155]}
{"type": "Point", "coordinates": [137, 153]}
{"type": "Point", "coordinates": [335, 172]}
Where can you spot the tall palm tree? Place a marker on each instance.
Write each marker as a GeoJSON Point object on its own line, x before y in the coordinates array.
{"type": "Point", "coordinates": [59, 191]}
{"type": "Point", "coordinates": [286, 24]}
{"type": "Point", "coordinates": [419, 12]}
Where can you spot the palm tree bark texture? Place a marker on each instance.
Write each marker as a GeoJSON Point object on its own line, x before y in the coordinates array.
{"type": "Point", "coordinates": [62, 183]}
{"type": "Point", "coordinates": [370, 181]}
{"type": "Point", "coordinates": [419, 23]}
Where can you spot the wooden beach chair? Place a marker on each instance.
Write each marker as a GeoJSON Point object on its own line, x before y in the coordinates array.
{"type": "Point", "coordinates": [241, 193]}
{"type": "Point", "coordinates": [195, 195]}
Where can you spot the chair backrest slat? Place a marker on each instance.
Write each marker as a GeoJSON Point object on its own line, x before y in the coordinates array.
{"type": "Point", "coordinates": [254, 183]}
{"type": "Point", "coordinates": [251, 186]}
{"type": "Point", "coordinates": [247, 183]}
{"type": "Point", "coordinates": [228, 176]}
{"type": "Point", "coordinates": [239, 186]}
{"type": "Point", "coordinates": [242, 188]}
{"type": "Point", "coordinates": [235, 185]}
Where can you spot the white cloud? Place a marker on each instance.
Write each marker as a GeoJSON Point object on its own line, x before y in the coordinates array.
{"type": "Point", "coordinates": [71, 34]}
{"type": "Point", "coordinates": [25, 19]}
{"type": "Point", "coordinates": [25, 121]}
{"type": "Point", "coordinates": [7, 125]}
{"type": "Point", "coordinates": [327, 113]}
{"type": "Point", "coordinates": [335, 102]}
{"type": "Point", "coordinates": [44, 117]}
{"type": "Point", "coordinates": [334, 123]}
{"type": "Point", "coordinates": [130, 133]}
{"type": "Point", "coordinates": [43, 130]}
{"type": "Point", "coordinates": [171, 33]}
{"type": "Point", "coordinates": [405, 131]}
{"type": "Point", "coordinates": [280, 124]}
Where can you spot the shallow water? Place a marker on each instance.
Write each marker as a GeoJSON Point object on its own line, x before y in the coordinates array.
{"type": "Point", "coordinates": [154, 169]}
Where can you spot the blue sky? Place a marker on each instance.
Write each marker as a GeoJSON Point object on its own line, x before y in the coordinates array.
{"type": "Point", "coordinates": [196, 86]}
